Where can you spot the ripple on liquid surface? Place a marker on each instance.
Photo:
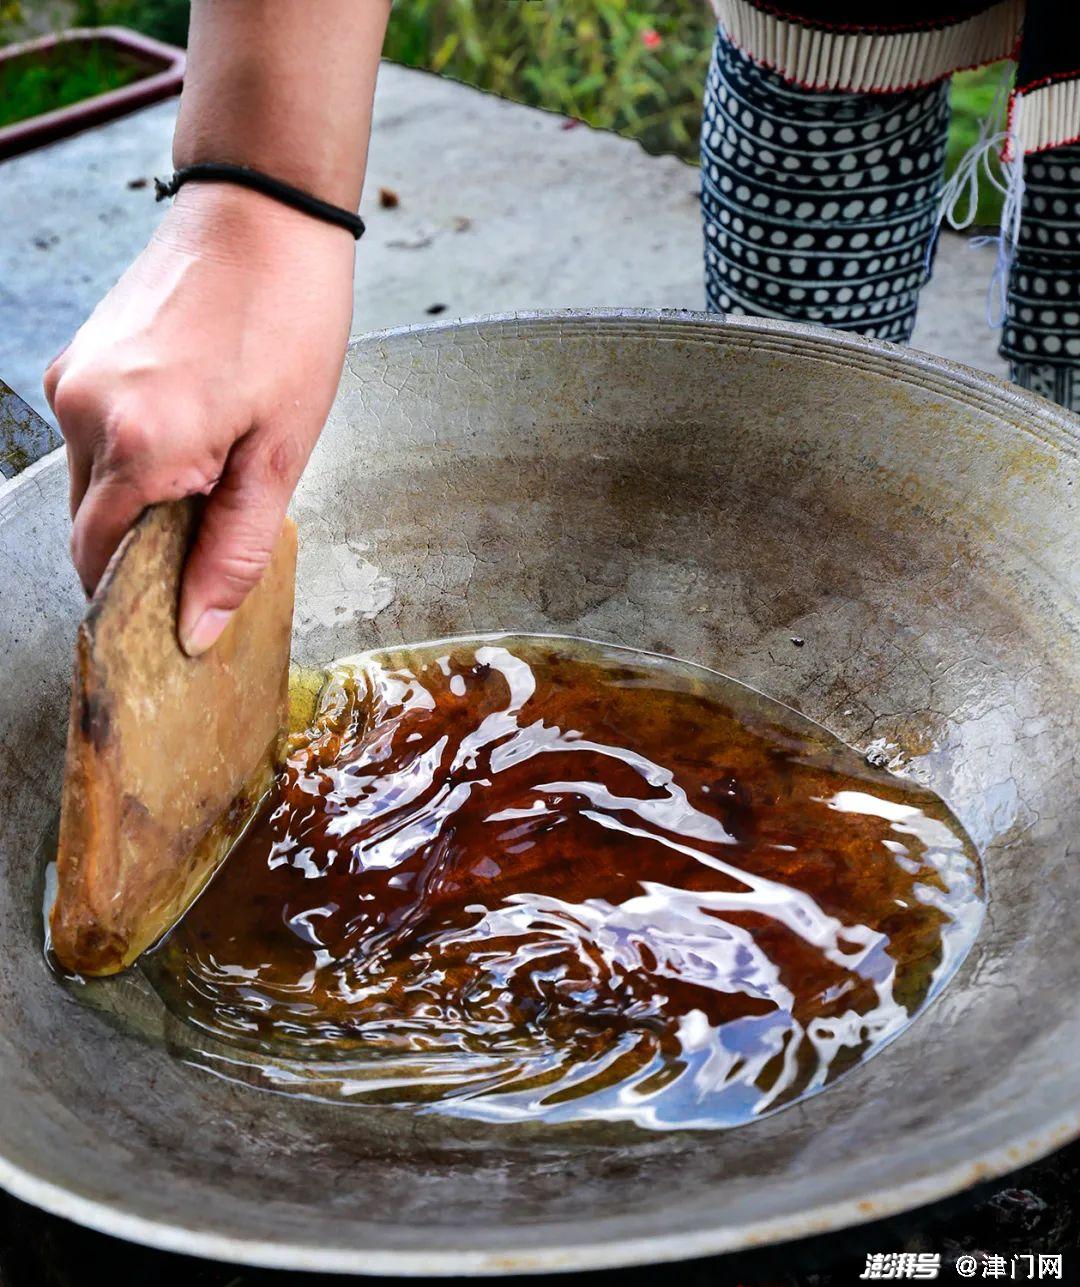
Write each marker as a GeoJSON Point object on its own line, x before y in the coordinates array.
{"type": "Point", "coordinates": [534, 877]}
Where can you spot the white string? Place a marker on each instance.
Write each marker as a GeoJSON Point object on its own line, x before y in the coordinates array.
{"type": "Point", "coordinates": [1008, 235]}
{"type": "Point", "coordinates": [976, 163]}
{"type": "Point", "coordinates": [959, 202]}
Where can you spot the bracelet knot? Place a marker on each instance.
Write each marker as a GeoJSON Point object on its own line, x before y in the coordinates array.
{"type": "Point", "coordinates": [297, 198]}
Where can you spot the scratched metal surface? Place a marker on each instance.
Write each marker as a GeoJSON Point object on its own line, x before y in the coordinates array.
{"type": "Point", "coordinates": [710, 489]}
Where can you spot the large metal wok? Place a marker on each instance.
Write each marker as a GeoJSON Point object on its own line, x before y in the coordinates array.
{"type": "Point", "coordinates": [709, 489]}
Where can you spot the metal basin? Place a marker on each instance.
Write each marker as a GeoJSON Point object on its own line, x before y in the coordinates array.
{"type": "Point", "coordinates": [672, 483]}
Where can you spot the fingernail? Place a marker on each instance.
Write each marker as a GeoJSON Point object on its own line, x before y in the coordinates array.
{"type": "Point", "coordinates": [205, 632]}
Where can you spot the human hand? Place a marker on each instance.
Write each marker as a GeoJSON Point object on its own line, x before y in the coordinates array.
{"type": "Point", "coordinates": [208, 369]}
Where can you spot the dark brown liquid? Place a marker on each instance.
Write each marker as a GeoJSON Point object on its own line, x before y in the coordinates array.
{"type": "Point", "coordinates": [536, 877]}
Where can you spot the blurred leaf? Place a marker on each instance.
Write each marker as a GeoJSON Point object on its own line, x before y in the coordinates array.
{"type": "Point", "coordinates": [444, 52]}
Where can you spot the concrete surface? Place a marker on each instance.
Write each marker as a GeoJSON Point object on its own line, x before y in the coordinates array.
{"type": "Point", "coordinates": [501, 207]}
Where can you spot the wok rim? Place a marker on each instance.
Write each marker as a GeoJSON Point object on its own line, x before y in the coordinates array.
{"type": "Point", "coordinates": [266, 1253]}
{"type": "Point", "coordinates": [540, 1256]}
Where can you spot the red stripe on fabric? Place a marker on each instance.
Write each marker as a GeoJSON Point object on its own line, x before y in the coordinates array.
{"type": "Point", "coordinates": [872, 28]}
{"type": "Point", "coordinates": [1053, 79]}
{"type": "Point", "coordinates": [852, 89]}
{"type": "Point", "coordinates": [1049, 147]}
{"type": "Point", "coordinates": [1008, 153]}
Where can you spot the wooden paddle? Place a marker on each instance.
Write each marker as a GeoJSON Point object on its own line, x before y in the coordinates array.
{"type": "Point", "coordinates": [167, 755]}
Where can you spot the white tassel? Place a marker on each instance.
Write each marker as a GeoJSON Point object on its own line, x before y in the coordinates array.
{"type": "Point", "coordinates": [1007, 239]}
{"type": "Point", "coordinates": [959, 203]}
{"type": "Point", "coordinates": [978, 161]}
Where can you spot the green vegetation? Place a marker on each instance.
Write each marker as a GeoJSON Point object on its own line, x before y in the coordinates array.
{"type": "Point", "coordinates": [10, 14]}
{"type": "Point", "coordinates": [33, 84]}
{"type": "Point", "coordinates": [635, 66]}
{"type": "Point", "coordinates": [163, 19]}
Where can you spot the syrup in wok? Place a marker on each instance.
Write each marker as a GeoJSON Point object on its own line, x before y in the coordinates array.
{"type": "Point", "coordinates": [538, 878]}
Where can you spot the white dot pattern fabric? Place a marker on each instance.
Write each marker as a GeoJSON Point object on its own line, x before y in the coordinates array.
{"type": "Point", "coordinates": [818, 206]}
{"type": "Point", "coordinates": [1041, 337]}
{"type": "Point", "coordinates": [822, 207]}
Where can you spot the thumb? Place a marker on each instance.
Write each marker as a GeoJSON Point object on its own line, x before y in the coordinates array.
{"type": "Point", "coordinates": [237, 534]}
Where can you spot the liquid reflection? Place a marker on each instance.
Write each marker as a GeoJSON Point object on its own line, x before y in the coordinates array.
{"type": "Point", "coordinates": [540, 878]}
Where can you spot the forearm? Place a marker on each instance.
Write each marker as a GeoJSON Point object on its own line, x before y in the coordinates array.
{"type": "Point", "coordinates": [210, 367]}
{"type": "Point", "coordinates": [284, 86]}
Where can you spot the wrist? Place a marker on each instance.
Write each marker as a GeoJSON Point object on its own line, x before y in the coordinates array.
{"type": "Point", "coordinates": [233, 222]}
{"type": "Point", "coordinates": [307, 161]}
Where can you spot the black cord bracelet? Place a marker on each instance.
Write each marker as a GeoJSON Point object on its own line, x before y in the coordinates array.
{"type": "Point", "coordinates": [223, 172]}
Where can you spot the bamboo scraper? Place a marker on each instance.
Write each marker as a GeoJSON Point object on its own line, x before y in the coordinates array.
{"type": "Point", "coordinates": [167, 755]}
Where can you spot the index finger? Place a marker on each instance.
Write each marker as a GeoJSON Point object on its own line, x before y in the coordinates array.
{"type": "Point", "coordinates": [107, 512]}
